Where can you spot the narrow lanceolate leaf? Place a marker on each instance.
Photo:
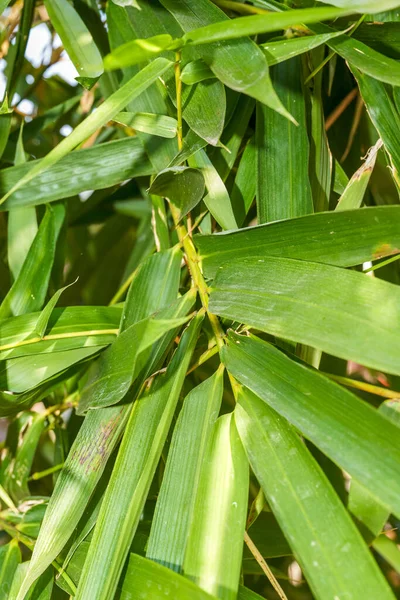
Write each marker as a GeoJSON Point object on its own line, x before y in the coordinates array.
{"type": "Point", "coordinates": [150, 581]}
{"type": "Point", "coordinates": [353, 194]}
{"type": "Point", "coordinates": [22, 224]}
{"type": "Point", "coordinates": [335, 559]}
{"type": "Point", "coordinates": [96, 168]}
{"type": "Point", "coordinates": [196, 71]}
{"type": "Point", "coordinates": [155, 286]}
{"type": "Point", "coordinates": [137, 51]}
{"type": "Point", "coordinates": [111, 107]}
{"type": "Point", "coordinates": [139, 454]}
{"type": "Point", "coordinates": [254, 25]}
{"type": "Point", "coordinates": [320, 156]}
{"type": "Point", "coordinates": [239, 64]}
{"type": "Point", "coordinates": [29, 290]}
{"type": "Point", "coordinates": [204, 107]}
{"type": "Point", "coordinates": [361, 503]}
{"type": "Point", "coordinates": [217, 200]}
{"type": "Point", "coordinates": [366, 6]}
{"type": "Point", "coordinates": [10, 557]}
{"type": "Point", "coordinates": [352, 433]}
{"type": "Point", "coordinates": [299, 301]}
{"type": "Point", "coordinates": [110, 378]}
{"type": "Point", "coordinates": [384, 116]}
{"type": "Point", "coordinates": [284, 49]}
{"type": "Point", "coordinates": [175, 505]}
{"type": "Point", "coordinates": [283, 187]}
{"type": "Point", "coordinates": [363, 57]}
{"type": "Point", "coordinates": [183, 186]}
{"type": "Point", "coordinates": [214, 551]}
{"type": "Point", "coordinates": [342, 239]}
{"type": "Point", "coordinates": [244, 187]}
{"type": "Point", "coordinates": [20, 469]}
{"type": "Point", "coordinates": [161, 125]}
{"type": "Point", "coordinates": [67, 328]}
{"type": "Point", "coordinates": [77, 40]}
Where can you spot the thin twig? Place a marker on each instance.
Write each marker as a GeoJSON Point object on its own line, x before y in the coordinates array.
{"type": "Point", "coordinates": [341, 107]}
{"type": "Point", "coordinates": [261, 561]}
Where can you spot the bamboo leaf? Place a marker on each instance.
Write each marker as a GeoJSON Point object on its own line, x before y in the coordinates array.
{"type": "Point", "coordinates": [175, 505]}
{"type": "Point", "coordinates": [137, 51]}
{"type": "Point", "coordinates": [111, 107]}
{"type": "Point", "coordinates": [217, 200]}
{"type": "Point", "coordinates": [101, 429]}
{"type": "Point", "coordinates": [10, 557]}
{"type": "Point", "coordinates": [67, 328]}
{"type": "Point", "coordinates": [287, 298]}
{"type": "Point", "coordinates": [220, 514]}
{"type": "Point", "coordinates": [240, 65]}
{"type": "Point", "coordinates": [353, 194]}
{"type": "Point", "coordinates": [183, 186]}
{"type": "Point", "coordinates": [362, 57]}
{"type": "Point", "coordinates": [383, 115]}
{"type": "Point", "coordinates": [196, 71]}
{"type": "Point", "coordinates": [28, 292]}
{"type": "Point", "coordinates": [140, 452]}
{"type": "Point", "coordinates": [283, 186]}
{"type": "Point", "coordinates": [96, 168]}
{"type": "Point", "coordinates": [77, 40]}
{"type": "Point", "coordinates": [155, 582]}
{"type": "Point", "coordinates": [365, 443]}
{"type": "Point", "coordinates": [149, 123]}
{"type": "Point", "coordinates": [253, 25]}
{"type": "Point", "coordinates": [342, 238]}
{"type": "Point", "coordinates": [366, 6]}
{"type": "Point", "coordinates": [280, 50]}
{"type": "Point", "coordinates": [314, 520]}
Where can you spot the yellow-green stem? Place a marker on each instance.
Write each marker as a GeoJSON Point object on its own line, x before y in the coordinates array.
{"type": "Point", "coordinates": [183, 235]}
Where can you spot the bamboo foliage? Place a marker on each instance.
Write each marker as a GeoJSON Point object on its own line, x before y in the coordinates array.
{"type": "Point", "coordinates": [200, 307]}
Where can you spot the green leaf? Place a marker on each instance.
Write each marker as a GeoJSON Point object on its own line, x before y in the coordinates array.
{"type": "Point", "coordinates": [183, 186]}
{"type": "Point", "coordinates": [77, 40]}
{"type": "Point", "coordinates": [22, 464]}
{"type": "Point", "coordinates": [44, 317]}
{"type": "Point", "coordinates": [217, 200]}
{"type": "Point", "coordinates": [139, 453]}
{"type": "Point", "coordinates": [383, 115]}
{"type": "Point", "coordinates": [67, 328]}
{"type": "Point", "coordinates": [283, 186]}
{"type": "Point", "coordinates": [196, 71]}
{"type": "Point", "coordinates": [10, 557]}
{"type": "Point", "coordinates": [280, 50]}
{"type": "Point", "coordinates": [361, 503]}
{"type": "Point", "coordinates": [153, 582]}
{"type": "Point", "coordinates": [254, 25]}
{"type": "Point", "coordinates": [314, 520]}
{"type": "Point", "coordinates": [110, 378]}
{"type": "Point", "coordinates": [29, 290]}
{"type": "Point", "coordinates": [154, 287]}
{"type": "Point", "coordinates": [353, 194]}
{"type": "Point", "coordinates": [298, 301]}
{"type": "Point", "coordinates": [137, 51]}
{"type": "Point", "coordinates": [215, 545]}
{"type": "Point", "coordinates": [244, 186]}
{"type": "Point", "coordinates": [366, 6]}
{"type": "Point", "coordinates": [349, 431]}
{"type": "Point", "coordinates": [149, 123]}
{"type": "Point", "coordinates": [362, 57]}
{"type": "Point", "coordinates": [111, 107]}
{"type": "Point", "coordinates": [41, 590]}
{"type": "Point", "coordinates": [342, 238]}
{"type": "Point", "coordinates": [96, 168]}
{"type": "Point", "coordinates": [204, 106]}
{"type": "Point", "coordinates": [175, 505]}
{"type": "Point", "coordinates": [239, 64]}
